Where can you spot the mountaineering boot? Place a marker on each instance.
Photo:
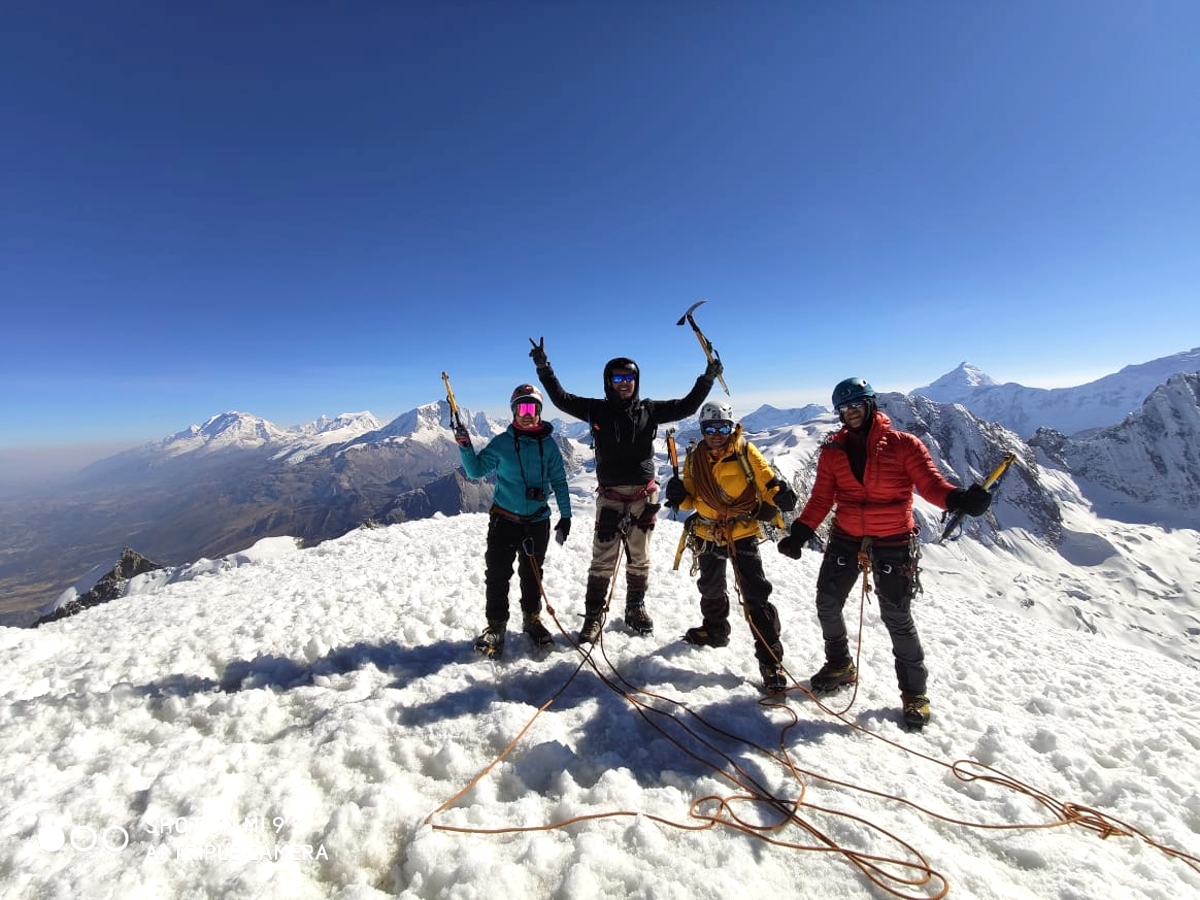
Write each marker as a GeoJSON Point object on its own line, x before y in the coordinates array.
{"type": "Point", "coordinates": [491, 642]}
{"type": "Point", "coordinates": [593, 609]}
{"type": "Point", "coordinates": [916, 711]}
{"type": "Point", "coordinates": [773, 678]}
{"type": "Point", "coordinates": [638, 619]}
{"type": "Point", "coordinates": [707, 636]}
{"type": "Point", "coordinates": [833, 675]}
{"type": "Point", "coordinates": [538, 633]}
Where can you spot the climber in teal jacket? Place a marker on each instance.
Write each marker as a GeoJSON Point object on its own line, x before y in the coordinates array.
{"type": "Point", "coordinates": [528, 466]}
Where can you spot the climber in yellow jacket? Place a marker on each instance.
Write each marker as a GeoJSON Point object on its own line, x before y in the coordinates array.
{"type": "Point", "coordinates": [733, 489]}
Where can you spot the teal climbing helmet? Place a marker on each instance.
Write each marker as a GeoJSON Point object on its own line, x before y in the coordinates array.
{"type": "Point", "coordinates": [852, 389]}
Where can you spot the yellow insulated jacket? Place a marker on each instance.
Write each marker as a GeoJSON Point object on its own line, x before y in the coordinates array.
{"type": "Point", "coordinates": [730, 500]}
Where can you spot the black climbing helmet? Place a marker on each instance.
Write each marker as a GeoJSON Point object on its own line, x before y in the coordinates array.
{"type": "Point", "coordinates": [621, 363]}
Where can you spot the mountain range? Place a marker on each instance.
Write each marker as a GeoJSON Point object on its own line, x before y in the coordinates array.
{"type": "Point", "coordinates": [1070, 410]}
{"type": "Point", "coordinates": [216, 488]}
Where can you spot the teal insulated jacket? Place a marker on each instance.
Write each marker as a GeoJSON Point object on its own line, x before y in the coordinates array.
{"type": "Point", "coordinates": [522, 460]}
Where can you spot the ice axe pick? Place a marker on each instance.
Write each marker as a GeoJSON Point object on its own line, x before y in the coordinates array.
{"type": "Point", "coordinates": [709, 353]}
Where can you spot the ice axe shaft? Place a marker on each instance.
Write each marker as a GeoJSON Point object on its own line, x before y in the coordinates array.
{"type": "Point", "coordinates": [450, 399]}
{"type": "Point", "coordinates": [682, 546]}
{"type": "Point", "coordinates": [709, 352]}
{"type": "Point", "coordinates": [673, 455]}
{"type": "Point", "coordinates": [690, 520]}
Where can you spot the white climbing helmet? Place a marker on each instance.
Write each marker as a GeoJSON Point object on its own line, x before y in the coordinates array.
{"type": "Point", "coordinates": [716, 412]}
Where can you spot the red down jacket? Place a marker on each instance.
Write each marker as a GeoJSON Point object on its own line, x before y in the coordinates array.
{"type": "Point", "coordinates": [881, 504]}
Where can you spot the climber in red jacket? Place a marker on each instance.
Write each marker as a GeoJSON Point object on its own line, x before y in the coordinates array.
{"type": "Point", "coordinates": [866, 473]}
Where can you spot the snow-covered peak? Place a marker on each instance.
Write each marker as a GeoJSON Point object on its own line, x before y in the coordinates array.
{"type": "Point", "coordinates": [1146, 469]}
{"type": "Point", "coordinates": [1097, 404]}
{"type": "Point", "coordinates": [1158, 371]}
{"type": "Point", "coordinates": [429, 424]}
{"type": "Point", "coordinates": [325, 432]}
{"type": "Point", "coordinates": [232, 429]}
{"type": "Point", "coordinates": [957, 386]}
{"type": "Point", "coordinates": [767, 416]}
{"type": "Point", "coordinates": [423, 422]}
{"type": "Point", "coordinates": [357, 422]}
{"type": "Point", "coordinates": [239, 431]}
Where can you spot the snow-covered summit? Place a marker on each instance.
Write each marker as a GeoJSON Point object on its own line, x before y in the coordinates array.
{"type": "Point", "coordinates": [324, 432]}
{"type": "Point", "coordinates": [959, 385]}
{"type": "Point", "coordinates": [767, 416]}
{"type": "Point", "coordinates": [357, 421]}
{"type": "Point", "coordinates": [225, 430]}
{"type": "Point", "coordinates": [243, 431]}
{"type": "Point", "coordinates": [1105, 401]}
{"type": "Point", "coordinates": [428, 424]}
{"type": "Point", "coordinates": [310, 722]}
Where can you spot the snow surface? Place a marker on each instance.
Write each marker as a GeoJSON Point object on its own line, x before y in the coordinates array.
{"type": "Point", "coordinates": [311, 723]}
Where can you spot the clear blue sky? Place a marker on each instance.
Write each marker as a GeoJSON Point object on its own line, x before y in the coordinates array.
{"type": "Point", "coordinates": [296, 209]}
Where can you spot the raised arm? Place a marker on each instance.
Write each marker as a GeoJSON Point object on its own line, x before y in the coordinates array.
{"type": "Point", "coordinates": [579, 407]}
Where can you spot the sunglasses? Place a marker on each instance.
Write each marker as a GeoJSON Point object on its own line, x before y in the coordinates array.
{"type": "Point", "coordinates": [853, 404]}
{"type": "Point", "coordinates": [717, 429]}
{"type": "Point", "coordinates": [528, 409]}
{"type": "Point", "coordinates": [622, 379]}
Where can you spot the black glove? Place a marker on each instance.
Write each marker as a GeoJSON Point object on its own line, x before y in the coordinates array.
{"type": "Point", "coordinates": [714, 370]}
{"type": "Point", "coordinates": [675, 492]}
{"type": "Point", "coordinates": [561, 530]}
{"type": "Point", "coordinates": [461, 436]}
{"type": "Point", "coordinates": [609, 521]}
{"type": "Point", "coordinates": [974, 501]}
{"type": "Point", "coordinates": [538, 353]}
{"type": "Point", "coordinates": [766, 512]}
{"type": "Point", "coordinates": [785, 497]}
{"type": "Point", "coordinates": [799, 535]}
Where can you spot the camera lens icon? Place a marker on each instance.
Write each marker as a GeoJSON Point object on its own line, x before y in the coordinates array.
{"type": "Point", "coordinates": [51, 838]}
{"type": "Point", "coordinates": [82, 838]}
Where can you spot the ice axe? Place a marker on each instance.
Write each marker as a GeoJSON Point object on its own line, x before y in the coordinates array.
{"type": "Point", "coordinates": [705, 343]}
{"type": "Point", "coordinates": [455, 415]}
{"type": "Point", "coordinates": [993, 478]}
{"type": "Point", "coordinates": [673, 455]}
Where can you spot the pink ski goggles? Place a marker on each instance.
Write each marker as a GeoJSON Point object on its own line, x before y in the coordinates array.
{"type": "Point", "coordinates": [528, 409]}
